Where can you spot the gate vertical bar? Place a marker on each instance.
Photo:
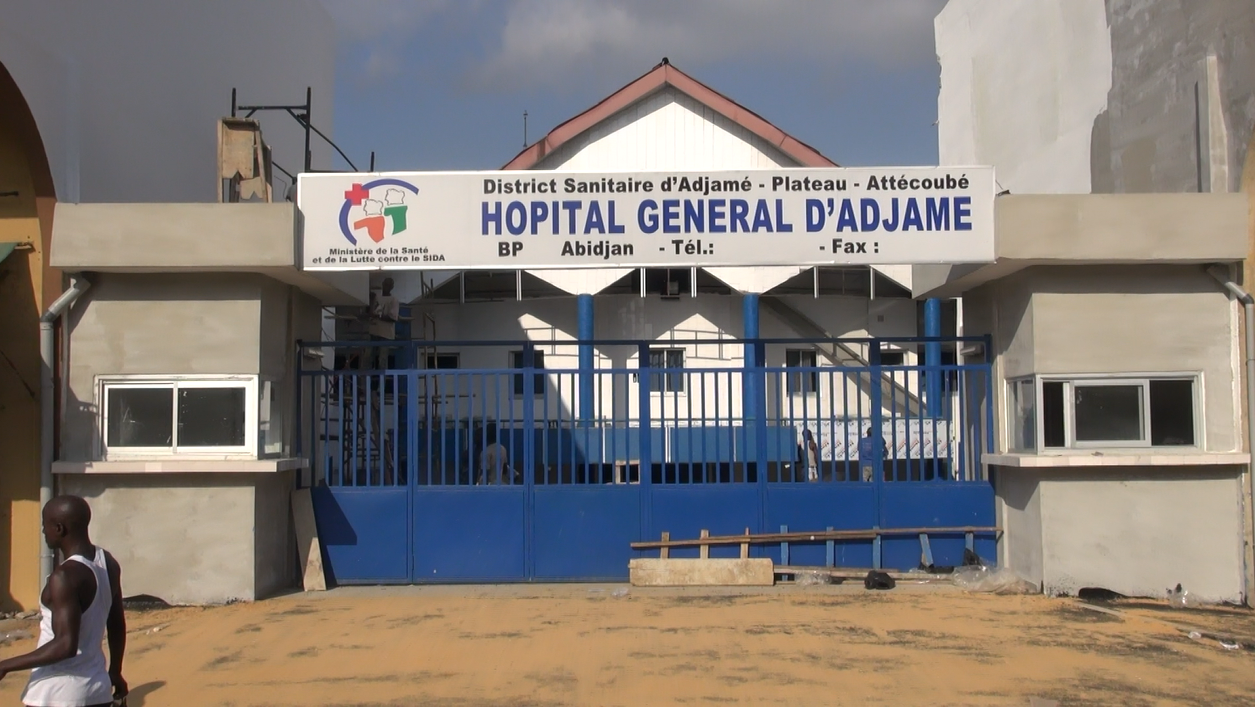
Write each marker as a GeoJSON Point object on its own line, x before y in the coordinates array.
{"type": "Point", "coordinates": [411, 458]}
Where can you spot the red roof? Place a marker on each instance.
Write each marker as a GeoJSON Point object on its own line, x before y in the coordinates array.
{"type": "Point", "coordinates": [664, 74]}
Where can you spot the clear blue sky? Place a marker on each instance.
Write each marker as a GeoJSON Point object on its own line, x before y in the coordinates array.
{"type": "Point", "coordinates": [442, 84]}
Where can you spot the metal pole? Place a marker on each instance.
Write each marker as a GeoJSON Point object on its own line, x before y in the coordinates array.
{"type": "Point", "coordinates": [309, 122]}
{"type": "Point", "coordinates": [1221, 275]}
{"type": "Point", "coordinates": [47, 404]}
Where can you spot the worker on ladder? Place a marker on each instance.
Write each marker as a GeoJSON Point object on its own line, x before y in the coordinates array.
{"type": "Point", "coordinates": [383, 313]}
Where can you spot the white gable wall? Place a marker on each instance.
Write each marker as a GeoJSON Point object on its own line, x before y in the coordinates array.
{"type": "Point", "coordinates": [671, 131]}
{"type": "Point", "coordinates": [668, 130]}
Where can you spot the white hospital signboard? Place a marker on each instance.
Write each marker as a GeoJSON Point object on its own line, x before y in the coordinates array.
{"type": "Point", "coordinates": [533, 219]}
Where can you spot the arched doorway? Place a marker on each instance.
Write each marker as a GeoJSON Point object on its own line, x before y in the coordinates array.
{"type": "Point", "coordinates": [27, 199]}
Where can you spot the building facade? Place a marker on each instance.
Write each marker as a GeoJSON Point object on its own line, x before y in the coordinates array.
{"type": "Point", "coordinates": [85, 122]}
{"type": "Point", "coordinates": [1116, 98]}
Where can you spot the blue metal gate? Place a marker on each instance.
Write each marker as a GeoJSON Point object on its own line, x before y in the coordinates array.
{"type": "Point", "coordinates": [539, 472]}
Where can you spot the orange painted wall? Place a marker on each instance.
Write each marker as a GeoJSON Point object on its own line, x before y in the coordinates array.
{"type": "Point", "coordinates": [26, 285]}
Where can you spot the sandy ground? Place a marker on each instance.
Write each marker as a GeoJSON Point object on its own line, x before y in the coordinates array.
{"type": "Point", "coordinates": [582, 645]}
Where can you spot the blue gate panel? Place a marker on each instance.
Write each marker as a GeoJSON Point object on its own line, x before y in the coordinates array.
{"type": "Point", "coordinates": [363, 534]}
{"type": "Point", "coordinates": [584, 532]}
{"type": "Point", "coordinates": [781, 443]}
{"type": "Point", "coordinates": [684, 510]}
{"type": "Point", "coordinates": [469, 534]}
{"type": "Point", "coordinates": [695, 445]}
{"type": "Point", "coordinates": [805, 507]}
{"type": "Point", "coordinates": [942, 504]}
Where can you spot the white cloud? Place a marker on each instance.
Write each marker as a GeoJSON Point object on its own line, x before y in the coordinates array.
{"type": "Point", "coordinates": [368, 20]}
{"type": "Point", "coordinates": [551, 42]}
{"type": "Point", "coordinates": [383, 27]}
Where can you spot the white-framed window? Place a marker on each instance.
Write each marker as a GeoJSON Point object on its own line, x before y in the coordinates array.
{"type": "Point", "coordinates": [1022, 417]}
{"type": "Point", "coordinates": [213, 416]}
{"type": "Point", "coordinates": [802, 382]}
{"type": "Point", "coordinates": [1103, 411]}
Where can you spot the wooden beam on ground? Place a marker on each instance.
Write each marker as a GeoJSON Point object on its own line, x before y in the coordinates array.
{"type": "Point", "coordinates": [307, 545]}
{"type": "Point", "coordinates": [651, 572]}
{"type": "Point", "coordinates": [817, 536]}
{"type": "Point", "coordinates": [858, 573]}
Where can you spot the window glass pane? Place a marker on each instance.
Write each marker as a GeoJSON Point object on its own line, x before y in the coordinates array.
{"type": "Point", "coordinates": [211, 417]}
{"type": "Point", "coordinates": [538, 381]}
{"type": "Point", "coordinates": [892, 358]}
{"type": "Point", "coordinates": [1052, 414]}
{"type": "Point", "coordinates": [270, 419]}
{"type": "Point", "coordinates": [140, 417]}
{"type": "Point", "coordinates": [672, 380]}
{"type": "Point", "coordinates": [444, 362]}
{"type": "Point", "coordinates": [806, 382]}
{"type": "Point", "coordinates": [1023, 432]}
{"type": "Point", "coordinates": [1108, 413]}
{"type": "Point", "coordinates": [1172, 412]}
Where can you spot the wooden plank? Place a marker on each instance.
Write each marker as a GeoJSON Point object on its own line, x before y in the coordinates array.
{"type": "Point", "coordinates": [859, 573]}
{"type": "Point", "coordinates": [816, 536]}
{"type": "Point", "coordinates": [704, 552]}
{"type": "Point", "coordinates": [307, 545]}
{"type": "Point", "coordinates": [650, 572]}
{"type": "Point", "coordinates": [745, 546]}
{"type": "Point", "coordinates": [666, 549]}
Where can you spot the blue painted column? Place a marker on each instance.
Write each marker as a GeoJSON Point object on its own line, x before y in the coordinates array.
{"type": "Point", "coordinates": [584, 305]}
{"type": "Point", "coordinates": [932, 357]}
{"type": "Point", "coordinates": [750, 407]}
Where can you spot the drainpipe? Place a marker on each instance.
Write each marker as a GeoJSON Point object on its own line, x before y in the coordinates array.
{"type": "Point", "coordinates": [1221, 274]}
{"type": "Point", "coordinates": [47, 406]}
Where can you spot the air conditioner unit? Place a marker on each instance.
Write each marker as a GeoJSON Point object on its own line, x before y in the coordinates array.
{"type": "Point", "coordinates": [672, 290]}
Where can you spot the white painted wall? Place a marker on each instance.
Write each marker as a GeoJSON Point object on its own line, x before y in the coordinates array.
{"type": "Point", "coordinates": [127, 95]}
{"type": "Point", "coordinates": [1022, 82]}
{"type": "Point", "coordinates": [670, 131]}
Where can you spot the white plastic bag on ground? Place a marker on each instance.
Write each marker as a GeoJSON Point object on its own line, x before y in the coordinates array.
{"type": "Point", "coordinates": [807, 579]}
{"type": "Point", "coordinates": [991, 580]}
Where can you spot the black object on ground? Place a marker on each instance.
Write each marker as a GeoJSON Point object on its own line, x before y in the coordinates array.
{"type": "Point", "coordinates": [879, 580]}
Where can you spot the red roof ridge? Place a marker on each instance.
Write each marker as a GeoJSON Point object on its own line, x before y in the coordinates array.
{"type": "Point", "coordinates": [664, 74]}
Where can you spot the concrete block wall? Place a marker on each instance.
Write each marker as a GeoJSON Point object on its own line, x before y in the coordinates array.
{"type": "Point", "coordinates": [1062, 320]}
{"type": "Point", "coordinates": [194, 538]}
{"type": "Point", "coordinates": [167, 324]}
{"type": "Point", "coordinates": [1133, 530]}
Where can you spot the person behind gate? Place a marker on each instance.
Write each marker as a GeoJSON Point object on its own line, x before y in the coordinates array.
{"type": "Point", "coordinates": [871, 454]}
{"type": "Point", "coordinates": [494, 461]}
{"type": "Point", "coordinates": [80, 603]}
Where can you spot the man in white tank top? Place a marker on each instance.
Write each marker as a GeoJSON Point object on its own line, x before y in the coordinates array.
{"type": "Point", "coordinates": [82, 600]}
